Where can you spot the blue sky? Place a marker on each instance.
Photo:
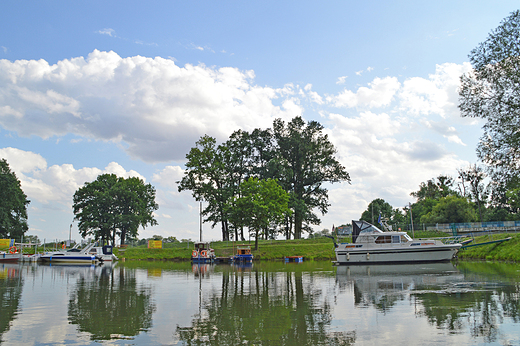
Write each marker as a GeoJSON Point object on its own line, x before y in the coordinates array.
{"type": "Point", "coordinates": [90, 87]}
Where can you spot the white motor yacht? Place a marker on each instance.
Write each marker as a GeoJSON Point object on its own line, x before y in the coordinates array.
{"type": "Point", "coordinates": [372, 245]}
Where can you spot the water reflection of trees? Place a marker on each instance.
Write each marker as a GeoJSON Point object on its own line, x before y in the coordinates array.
{"type": "Point", "coordinates": [477, 307]}
{"type": "Point", "coordinates": [265, 308]}
{"type": "Point", "coordinates": [112, 305]}
{"type": "Point", "coordinates": [11, 284]}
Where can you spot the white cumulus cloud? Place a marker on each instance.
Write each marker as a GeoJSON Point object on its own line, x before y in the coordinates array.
{"type": "Point", "coordinates": [158, 108]}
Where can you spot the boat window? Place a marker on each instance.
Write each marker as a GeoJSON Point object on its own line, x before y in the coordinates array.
{"type": "Point", "coordinates": [371, 229]}
{"type": "Point", "coordinates": [405, 238]}
{"type": "Point", "coordinates": [383, 239]}
{"type": "Point", "coordinates": [396, 239]}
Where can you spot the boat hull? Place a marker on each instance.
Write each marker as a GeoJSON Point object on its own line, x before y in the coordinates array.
{"type": "Point", "coordinates": [243, 258]}
{"type": "Point", "coordinates": [443, 253]}
{"type": "Point", "coordinates": [202, 259]}
{"type": "Point", "coordinates": [69, 259]}
{"type": "Point", "coordinates": [10, 257]}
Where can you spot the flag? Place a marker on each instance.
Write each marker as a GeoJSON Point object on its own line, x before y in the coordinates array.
{"type": "Point", "coordinates": [332, 229]}
{"type": "Point", "coordinates": [379, 218]}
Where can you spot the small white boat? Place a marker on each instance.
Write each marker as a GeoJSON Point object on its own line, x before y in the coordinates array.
{"type": "Point", "coordinates": [371, 245]}
{"type": "Point", "coordinates": [73, 255]}
{"type": "Point", "coordinates": [10, 256]}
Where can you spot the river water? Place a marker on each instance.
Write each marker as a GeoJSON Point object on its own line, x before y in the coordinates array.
{"type": "Point", "coordinates": [271, 303]}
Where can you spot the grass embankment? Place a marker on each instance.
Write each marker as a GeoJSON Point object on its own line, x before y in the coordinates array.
{"type": "Point", "coordinates": [320, 249]}
{"type": "Point", "coordinates": [310, 249]}
{"type": "Point", "coordinates": [505, 251]}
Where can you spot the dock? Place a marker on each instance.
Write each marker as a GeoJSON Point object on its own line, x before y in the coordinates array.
{"type": "Point", "coordinates": [295, 259]}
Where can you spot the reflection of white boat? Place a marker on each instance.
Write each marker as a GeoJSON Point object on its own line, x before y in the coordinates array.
{"type": "Point", "coordinates": [103, 252]}
{"type": "Point", "coordinates": [73, 255]}
{"type": "Point", "coordinates": [371, 245]}
{"type": "Point", "coordinates": [383, 285]}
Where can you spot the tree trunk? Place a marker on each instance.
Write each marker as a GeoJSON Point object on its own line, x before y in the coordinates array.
{"type": "Point", "coordinates": [298, 221]}
{"type": "Point", "coordinates": [123, 236]}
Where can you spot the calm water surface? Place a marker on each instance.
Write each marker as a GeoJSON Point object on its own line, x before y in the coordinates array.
{"type": "Point", "coordinates": [313, 303]}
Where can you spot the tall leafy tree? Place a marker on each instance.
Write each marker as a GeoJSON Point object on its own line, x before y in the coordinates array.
{"type": "Point", "coordinates": [13, 204]}
{"type": "Point", "coordinates": [474, 177]}
{"type": "Point", "coordinates": [207, 177]}
{"type": "Point", "coordinates": [111, 206]}
{"type": "Point", "coordinates": [135, 202]}
{"type": "Point", "coordinates": [491, 91]}
{"type": "Point", "coordinates": [93, 206]}
{"type": "Point", "coordinates": [306, 158]}
{"type": "Point", "coordinates": [262, 204]}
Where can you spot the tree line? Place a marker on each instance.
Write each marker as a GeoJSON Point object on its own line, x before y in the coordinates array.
{"type": "Point", "coordinates": [296, 156]}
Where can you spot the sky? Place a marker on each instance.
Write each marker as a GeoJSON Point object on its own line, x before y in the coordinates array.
{"type": "Point", "coordinates": [93, 87]}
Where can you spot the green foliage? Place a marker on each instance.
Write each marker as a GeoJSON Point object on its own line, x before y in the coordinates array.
{"type": "Point", "coordinates": [435, 188]}
{"type": "Point", "coordinates": [375, 208]}
{"type": "Point", "coordinates": [491, 91]}
{"type": "Point", "coordinates": [208, 180]}
{"type": "Point", "coordinates": [13, 204]}
{"type": "Point", "coordinates": [298, 155]}
{"type": "Point", "coordinates": [451, 209]}
{"type": "Point", "coordinates": [110, 205]}
{"type": "Point", "coordinates": [421, 208]}
{"type": "Point", "coordinates": [307, 159]}
{"type": "Point", "coordinates": [263, 203]}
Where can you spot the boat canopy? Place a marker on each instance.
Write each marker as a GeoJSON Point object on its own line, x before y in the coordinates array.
{"type": "Point", "coordinates": [359, 227]}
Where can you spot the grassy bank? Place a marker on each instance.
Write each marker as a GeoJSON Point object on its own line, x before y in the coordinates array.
{"type": "Point", "coordinates": [310, 249]}
{"type": "Point", "coordinates": [505, 251]}
{"type": "Point", "coordinates": [317, 249]}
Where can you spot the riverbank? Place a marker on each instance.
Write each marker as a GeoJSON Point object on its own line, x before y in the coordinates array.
{"type": "Point", "coordinates": [310, 249]}
{"type": "Point", "coordinates": [315, 249]}
{"type": "Point", "coordinates": [505, 251]}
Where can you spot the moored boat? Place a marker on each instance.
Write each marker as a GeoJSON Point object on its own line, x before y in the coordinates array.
{"type": "Point", "coordinates": [202, 253]}
{"type": "Point", "coordinates": [243, 254]}
{"type": "Point", "coordinates": [11, 253]}
{"type": "Point", "coordinates": [10, 257]}
{"type": "Point", "coordinates": [372, 245]}
{"type": "Point", "coordinates": [73, 255]}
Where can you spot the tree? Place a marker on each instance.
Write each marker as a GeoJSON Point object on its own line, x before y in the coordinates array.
{"type": "Point", "coordinates": [13, 204]}
{"type": "Point", "coordinates": [435, 188]}
{"type": "Point", "coordinates": [375, 208]}
{"type": "Point", "coordinates": [451, 209]}
{"type": "Point", "coordinates": [263, 203]}
{"type": "Point", "coordinates": [135, 206]}
{"type": "Point", "coordinates": [111, 206]}
{"type": "Point", "coordinates": [474, 176]}
{"type": "Point", "coordinates": [491, 91]}
{"type": "Point", "coordinates": [206, 177]}
{"type": "Point", "coordinates": [306, 157]}
{"type": "Point", "coordinates": [93, 206]}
